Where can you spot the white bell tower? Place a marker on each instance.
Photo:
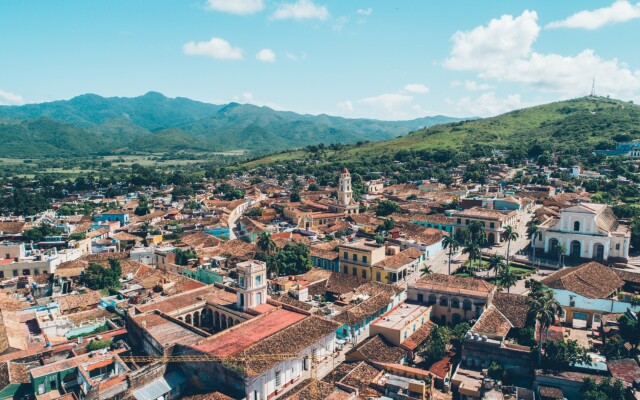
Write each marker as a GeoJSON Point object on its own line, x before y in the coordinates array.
{"type": "Point", "coordinates": [252, 284]}
{"type": "Point", "coordinates": [345, 195]}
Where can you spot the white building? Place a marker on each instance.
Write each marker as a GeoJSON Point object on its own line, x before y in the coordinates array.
{"type": "Point", "coordinates": [588, 231]}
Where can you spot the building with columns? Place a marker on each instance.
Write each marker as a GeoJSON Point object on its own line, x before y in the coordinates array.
{"type": "Point", "coordinates": [494, 221]}
{"type": "Point", "coordinates": [586, 231]}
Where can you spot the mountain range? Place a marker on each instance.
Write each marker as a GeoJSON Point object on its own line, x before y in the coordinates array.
{"type": "Point", "coordinates": [576, 126]}
{"type": "Point", "coordinates": [91, 124]}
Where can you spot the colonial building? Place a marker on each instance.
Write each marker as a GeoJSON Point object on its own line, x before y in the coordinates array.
{"type": "Point", "coordinates": [588, 231]}
{"type": "Point", "coordinates": [452, 298]}
{"type": "Point", "coordinates": [494, 221]}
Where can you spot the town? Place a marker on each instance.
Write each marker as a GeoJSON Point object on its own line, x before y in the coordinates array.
{"type": "Point", "coordinates": [516, 282]}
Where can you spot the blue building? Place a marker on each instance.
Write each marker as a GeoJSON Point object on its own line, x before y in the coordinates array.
{"type": "Point", "coordinates": [435, 221]}
{"type": "Point", "coordinates": [325, 259]}
{"type": "Point", "coordinates": [112, 216]}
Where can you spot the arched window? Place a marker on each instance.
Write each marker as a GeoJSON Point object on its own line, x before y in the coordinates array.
{"type": "Point", "coordinates": [576, 226]}
{"type": "Point", "coordinates": [456, 318]}
{"type": "Point", "coordinates": [444, 302]}
{"type": "Point", "coordinates": [576, 249]}
{"type": "Point", "coordinates": [432, 299]}
{"type": "Point", "coordinates": [455, 303]}
{"type": "Point", "coordinates": [466, 305]}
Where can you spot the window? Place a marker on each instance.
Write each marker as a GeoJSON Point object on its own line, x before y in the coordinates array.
{"type": "Point", "coordinates": [8, 256]}
{"type": "Point", "coordinates": [378, 276]}
{"type": "Point", "coordinates": [278, 379]}
{"type": "Point", "coordinates": [466, 222]}
{"type": "Point", "coordinates": [258, 280]}
{"type": "Point", "coordinates": [455, 303]}
{"type": "Point", "coordinates": [405, 334]}
{"type": "Point", "coordinates": [344, 270]}
{"type": "Point", "coordinates": [492, 225]}
{"type": "Point", "coordinates": [432, 299]}
{"type": "Point", "coordinates": [345, 255]}
{"type": "Point", "coordinates": [460, 221]}
{"type": "Point", "coordinates": [576, 226]}
{"type": "Point", "coordinates": [414, 327]}
{"type": "Point", "coordinates": [364, 259]}
{"type": "Point", "coordinates": [355, 257]}
{"type": "Point", "coordinates": [36, 272]}
{"type": "Point", "coordinates": [466, 305]}
{"type": "Point", "coordinates": [241, 282]}
{"type": "Point", "coordinates": [364, 274]}
{"type": "Point", "coordinates": [444, 302]}
{"type": "Point", "coordinates": [26, 272]}
{"type": "Point", "coordinates": [420, 297]}
{"type": "Point", "coordinates": [1, 274]}
{"type": "Point", "coordinates": [15, 272]}
{"type": "Point", "coordinates": [617, 246]}
{"type": "Point", "coordinates": [354, 271]}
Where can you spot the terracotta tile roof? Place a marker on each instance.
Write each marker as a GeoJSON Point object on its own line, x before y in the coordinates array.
{"type": "Point", "coordinates": [85, 316]}
{"type": "Point", "coordinates": [200, 239]}
{"type": "Point", "coordinates": [97, 232]}
{"type": "Point", "coordinates": [12, 332]}
{"type": "Point", "coordinates": [551, 392]}
{"type": "Point", "coordinates": [513, 306]}
{"type": "Point", "coordinates": [234, 248]}
{"type": "Point", "coordinates": [485, 214]}
{"type": "Point", "coordinates": [378, 349]}
{"type": "Point", "coordinates": [627, 276]}
{"type": "Point", "coordinates": [627, 370]}
{"type": "Point", "coordinates": [208, 396]}
{"type": "Point", "coordinates": [73, 301]}
{"type": "Point", "coordinates": [454, 284]}
{"type": "Point", "coordinates": [8, 303]}
{"type": "Point", "coordinates": [397, 261]}
{"type": "Point", "coordinates": [492, 322]}
{"type": "Point", "coordinates": [126, 237]}
{"type": "Point", "coordinates": [361, 376]}
{"type": "Point", "coordinates": [286, 299]}
{"type": "Point", "coordinates": [12, 227]}
{"type": "Point", "coordinates": [292, 339]}
{"type": "Point", "coordinates": [325, 390]}
{"type": "Point", "coordinates": [324, 254]}
{"type": "Point", "coordinates": [592, 280]}
{"type": "Point", "coordinates": [419, 336]}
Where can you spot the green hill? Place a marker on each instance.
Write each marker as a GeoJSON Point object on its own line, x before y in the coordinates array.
{"type": "Point", "coordinates": [580, 125]}
{"type": "Point", "coordinates": [91, 124]}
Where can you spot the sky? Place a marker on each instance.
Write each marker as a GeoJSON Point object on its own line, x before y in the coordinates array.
{"type": "Point", "coordinates": [354, 58]}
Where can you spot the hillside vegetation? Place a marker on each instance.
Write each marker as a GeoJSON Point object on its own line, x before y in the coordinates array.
{"type": "Point", "coordinates": [575, 126]}
{"type": "Point", "coordinates": [91, 124]}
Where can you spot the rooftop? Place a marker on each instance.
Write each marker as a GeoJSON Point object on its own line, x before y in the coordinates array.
{"type": "Point", "coordinates": [592, 280]}
{"type": "Point", "coordinates": [400, 316]}
{"type": "Point", "coordinates": [454, 284]}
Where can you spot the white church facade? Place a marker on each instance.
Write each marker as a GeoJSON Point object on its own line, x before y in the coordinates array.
{"type": "Point", "coordinates": [585, 231]}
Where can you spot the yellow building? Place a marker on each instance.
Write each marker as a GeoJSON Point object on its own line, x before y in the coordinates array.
{"type": "Point", "coordinates": [358, 259]}
{"type": "Point", "coordinates": [398, 324]}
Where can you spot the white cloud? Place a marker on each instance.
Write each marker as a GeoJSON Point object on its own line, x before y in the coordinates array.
{"type": "Point", "coordinates": [365, 11]}
{"type": "Point", "coordinates": [301, 9]}
{"type": "Point", "coordinates": [490, 46]}
{"type": "Point", "coordinates": [240, 7]}
{"type": "Point", "coordinates": [10, 99]}
{"type": "Point", "coordinates": [418, 88]}
{"type": "Point", "coordinates": [620, 11]}
{"type": "Point", "coordinates": [266, 55]}
{"type": "Point", "coordinates": [488, 104]}
{"type": "Point", "coordinates": [246, 97]}
{"type": "Point", "coordinates": [503, 51]}
{"type": "Point", "coordinates": [389, 105]}
{"type": "Point", "coordinates": [216, 48]}
{"type": "Point", "coordinates": [296, 57]}
{"type": "Point", "coordinates": [472, 86]}
{"type": "Point", "coordinates": [346, 105]}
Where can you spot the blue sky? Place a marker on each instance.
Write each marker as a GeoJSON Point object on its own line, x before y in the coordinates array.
{"type": "Point", "coordinates": [378, 59]}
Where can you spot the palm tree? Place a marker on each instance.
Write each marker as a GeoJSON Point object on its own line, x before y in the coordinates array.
{"type": "Point", "coordinates": [473, 250]}
{"type": "Point", "coordinates": [266, 243]}
{"type": "Point", "coordinates": [452, 243]}
{"type": "Point", "coordinates": [561, 248]}
{"type": "Point", "coordinates": [463, 235]}
{"type": "Point", "coordinates": [477, 231]}
{"type": "Point", "coordinates": [273, 266]}
{"type": "Point", "coordinates": [496, 263]}
{"type": "Point", "coordinates": [426, 270]}
{"type": "Point", "coordinates": [509, 234]}
{"type": "Point", "coordinates": [507, 278]}
{"type": "Point", "coordinates": [544, 308]}
{"type": "Point", "coordinates": [534, 233]}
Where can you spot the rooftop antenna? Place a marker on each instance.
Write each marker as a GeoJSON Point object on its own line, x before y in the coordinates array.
{"type": "Point", "coordinates": [593, 88]}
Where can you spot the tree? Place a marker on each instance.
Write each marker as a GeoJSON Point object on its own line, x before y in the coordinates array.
{"type": "Point", "coordinates": [295, 196]}
{"type": "Point", "coordinates": [534, 233]}
{"type": "Point", "coordinates": [436, 347]}
{"type": "Point", "coordinates": [426, 270]}
{"type": "Point", "coordinates": [496, 371]}
{"type": "Point", "coordinates": [266, 243]}
{"type": "Point", "coordinates": [614, 348]}
{"type": "Point", "coordinates": [630, 329]}
{"type": "Point", "coordinates": [387, 207]}
{"type": "Point", "coordinates": [386, 226]}
{"type": "Point", "coordinates": [38, 233]}
{"type": "Point", "coordinates": [496, 263]}
{"type": "Point", "coordinates": [97, 277]}
{"type": "Point", "coordinates": [183, 256]}
{"type": "Point", "coordinates": [509, 234]}
{"type": "Point", "coordinates": [452, 243]}
{"type": "Point", "coordinates": [77, 236]}
{"type": "Point", "coordinates": [143, 207]}
{"type": "Point", "coordinates": [460, 330]}
{"type": "Point", "coordinates": [544, 308]}
{"type": "Point", "coordinates": [561, 249]}
{"type": "Point", "coordinates": [476, 228]}
{"type": "Point", "coordinates": [507, 278]}
{"type": "Point", "coordinates": [605, 390]}
{"type": "Point", "coordinates": [294, 259]}
{"type": "Point", "coordinates": [473, 250]}
{"type": "Point", "coordinates": [560, 355]}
